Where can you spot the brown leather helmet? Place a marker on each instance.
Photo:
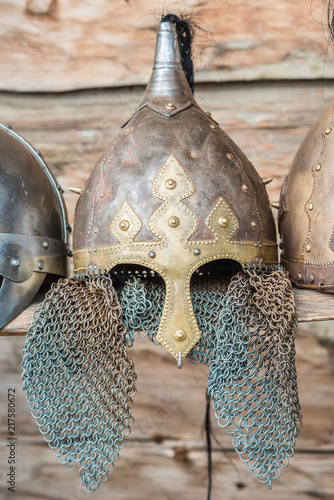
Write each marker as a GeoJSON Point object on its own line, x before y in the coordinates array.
{"type": "Point", "coordinates": [33, 231]}
{"type": "Point", "coordinates": [306, 209]}
{"type": "Point", "coordinates": [171, 193]}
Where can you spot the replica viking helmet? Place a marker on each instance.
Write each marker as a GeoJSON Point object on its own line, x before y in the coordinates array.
{"type": "Point", "coordinates": [178, 217]}
{"type": "Point", "coordinates": [33, 232]}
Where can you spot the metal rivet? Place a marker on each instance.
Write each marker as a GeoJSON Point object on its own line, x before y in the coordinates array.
{"type": "Point", "coordinates": [244, 187]}
{"type": "Point", "coordinates": [110, 160]}
{"type": "Point", "coordinates": [9, 127]}
{"type": "Point", "coordinates": [174, 221]}
{"type": "Point", "coordinates": [255, 244]}
{"type": "Point", "coordinates": [152, 255]}
{"type": "Point", "coordinates": [170, 105]}
{"type": "Point", "coordinates": [310, 206]}
{"type": "Point", "coordinates": [328, 131]}
{"type": "Point", "coordinates": [312, 278]}
{"type": "Point", "coordinates": [230, 156]}
{"type": "Point", "coordinates": [208, 113]}
{"type": "Point", "coordinates": [299, 276]}
{"type": "Point", "coordinates": [128, 130]}
{"type": "Point", "coordinates": [45, 244]}
{"type": "Point", "coordinates": [318, 167]}
{"type": "Point", "coordinates": [275, 204]}
{"type": "Point", "coordinates": [15, 263]}
{"type": "Point", "coordinates": [197, 251]}
{"type": "Point", "coordinates": [69, 252]}
{"type": "Point", "coordinates": [101, 195]}
{"type": "Point", "coordinates": [253, 224]}
{"type": "Point", "coordinates": [281, 246]}
{"type": "Point", "coordinates": [223, 221]}
{"type": "Point", "coordinates": [266, 180]}
{"type": "Point", "coordinates": [180, 335]}
{"type": "Point", "coordinates": [68, 227]}
{"type": "Point", "coordinates": [170, 184]}
{"type": "Point", "coordinates": [308, 248]}
{"type": "Point", "coordinates": [124, 225]}
{"type": "Point", "coordinates": [212, 125]}
{"type": "Point", "coordinates": [96, 231]}
{"type": "Point", "coordinates": [40, 264]}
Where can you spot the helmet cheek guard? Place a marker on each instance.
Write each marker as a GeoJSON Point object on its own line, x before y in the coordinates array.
{"type": "Point", "coordinates": [172, 195]}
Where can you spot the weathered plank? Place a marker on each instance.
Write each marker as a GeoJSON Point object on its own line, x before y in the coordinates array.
{"type": "Point", "coordinates": [311, 306]}
{"type": "Point", "coordinates": [268, 122]}
{"type": "Point", "coordinates": [165, 454]}
{"type": "Point", "coordinates": [48, 45]}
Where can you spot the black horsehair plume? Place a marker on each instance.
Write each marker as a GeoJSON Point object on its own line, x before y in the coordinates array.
{"type": "Point", "coordinates": [185, 34]}
{"type": "Point", "coordinates": [330, 20]}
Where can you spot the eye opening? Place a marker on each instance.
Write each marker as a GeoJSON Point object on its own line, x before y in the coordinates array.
{"type": "Point", "coordinates": [215, 273]}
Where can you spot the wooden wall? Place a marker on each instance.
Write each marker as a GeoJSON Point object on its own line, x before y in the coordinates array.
{"type": "Point", "coordinates": [272, 56]}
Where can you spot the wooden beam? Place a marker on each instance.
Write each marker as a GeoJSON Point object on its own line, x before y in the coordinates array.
{"type": "Point", "coordinates": [311, 306]}
{"type": "Point", "coordinates": [72, 45]}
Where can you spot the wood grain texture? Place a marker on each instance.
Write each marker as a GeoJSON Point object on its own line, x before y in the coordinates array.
{"type": "Point", "coordinates": [56, 45]}
{"type": "Point", "coordinates": [165, 454]}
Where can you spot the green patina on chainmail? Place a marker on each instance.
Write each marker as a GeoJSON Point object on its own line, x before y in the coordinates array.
{"type": "Point", "coordinates": [248, 328]}
{"type": "Point", "coordinates": [80, 382]}
{"type": "Point", "coordinates": [78, 379]}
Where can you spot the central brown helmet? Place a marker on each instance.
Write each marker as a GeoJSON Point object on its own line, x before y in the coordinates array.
{"type": "Point", "coordinates": [180, 219]}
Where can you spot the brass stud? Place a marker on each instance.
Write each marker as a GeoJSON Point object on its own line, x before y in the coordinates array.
{"type": "Point", "coordinates": [96, 231]}
{"type": "Point", "coordinates": [328, 130]}
{"type": "Point", "coordinates": [244, 187]}
{"type": "Point", "coordinates": [230, 156]}
{"type": "Point", "coordinates": [76, 190]}
{"type": "Point", "coordinates": [253, 224]}
{"type": "Point", "coordinates": [110, 160]}
{"type": "Point", "coordinates": [308, 248]}
{"type": "Point", "coordinates": [310, 206]}
{"type": "Point", "coordinates": [275, 204]}
{"type": "Point", "coordinates": [180, 335]}
{"type": "Point", "coordinates": [102, 195]}
{"type": "Point", "coordinates": [223, 221]}
{"type": "Point", "coordinates": [124, 225]}
{"type": "Point", "coordinates": [151, 255]}
{"type": "Point", "coordinates": [174, 221]}
{"type": "Point", "coordinates": [266, 180]}
{"type": "Point", "coordinates": [318, 167]}
{"type": "Point", "coordinates": [212, 125]}
{"type": "Point", "coordinates": [197, 251]}
{"type": "Point", "coordinates": [170, 105]}
{"type": "Point", "coordinates": [170, 184]}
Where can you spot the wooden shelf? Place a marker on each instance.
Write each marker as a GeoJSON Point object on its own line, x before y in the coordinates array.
{"type": "Point", "coordinates": [311, 306]}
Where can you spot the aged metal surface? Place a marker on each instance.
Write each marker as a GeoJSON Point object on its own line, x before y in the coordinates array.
{"type": "Point", "coordinates": [33, 227]}
{"type": "Point", "coordinates": [170, 150]}
{"type": "Point", "coordinates": [307, 207]}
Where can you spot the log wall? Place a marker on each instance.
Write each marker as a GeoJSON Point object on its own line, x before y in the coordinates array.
{"type": "Point", "coordinates": [271, 56]}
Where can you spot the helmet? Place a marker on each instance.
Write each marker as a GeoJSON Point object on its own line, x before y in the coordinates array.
{"type": "Point", "coordinates": [305, 214]}
{"type": "Point", "coordinates": [180, 219]}
{"type": "Point", "coordinates": [172, 193]}
{"type": "Point", "coordinates": [33, 233]}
